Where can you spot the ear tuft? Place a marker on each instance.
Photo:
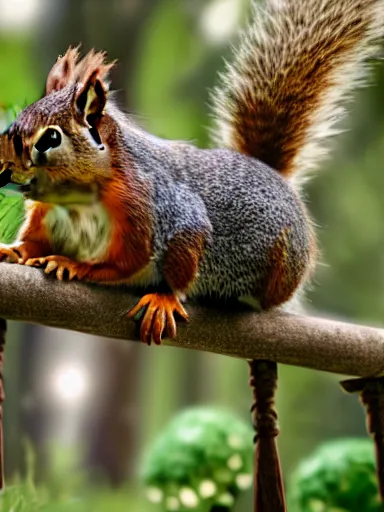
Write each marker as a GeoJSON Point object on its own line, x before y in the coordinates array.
{"type": "Point", "coordinates": [93, 64]}
{"type": "Point", "coordinates": [69, 69]}
{"type": "Point", "coordinates": [90, 78]}
{"type": "Point", "coordinates": [63, 71]}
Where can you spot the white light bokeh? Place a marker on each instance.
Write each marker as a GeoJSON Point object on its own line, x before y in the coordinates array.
{"type": "Point", "coordinates": [19, 15]}
{"type": "Point", "coordinates": [69, 365]}
{"type": "Point", "coordinates": [220, 20]}
{"type": "Point", "coordinates": [70, 383]}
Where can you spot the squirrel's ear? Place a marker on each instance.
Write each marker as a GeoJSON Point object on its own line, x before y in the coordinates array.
{"type": "Point", "coordinates": [62, 73]}
{"type": "Point", "coordinates": [90, 98]}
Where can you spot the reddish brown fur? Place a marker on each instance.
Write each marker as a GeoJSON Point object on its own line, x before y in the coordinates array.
{"type": "Point", "coordinates": [275, 133]}
{"type": "Point", "coordinates": [33, 233]}
{"type": "Point", "coordinates": [283, 277]}
{"type": "Point", "coordinates": [69, 69]}
{"type": "Point", "coordinates": [182, 260]}
{"type": "Point", "coordinates": [93, 63]}
{"type": "Point", "coordinates": [130, 246]}
{"type": "Point", "coordinates": [63, 72]}
{"type": "Point", "coordinates": [7, 151]}
{"type": "Point", "coordinates": [291, 76]}
{"type": "Point", "coordinates": [127, 199]}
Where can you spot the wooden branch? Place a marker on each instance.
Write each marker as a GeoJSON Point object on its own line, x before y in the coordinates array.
{"type": "Point", "coordinates": [27, 295]}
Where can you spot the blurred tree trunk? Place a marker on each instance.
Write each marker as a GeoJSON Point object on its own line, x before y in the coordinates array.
{"type": "Point", "coordinates": [116, 26]}
{"type": "Point", "coordinates": [64, 24]}
{"type": "Point", "coordinates": [13, 398]}
{"type": "Point", "coordinates": [115, 428]}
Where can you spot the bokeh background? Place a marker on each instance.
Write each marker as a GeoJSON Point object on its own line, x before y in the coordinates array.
{"type": "Point", "coordinates": [101, 402]}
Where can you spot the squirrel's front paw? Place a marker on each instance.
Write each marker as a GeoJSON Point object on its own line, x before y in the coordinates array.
{"type": "Point", "coordinates": [9, 254]}
{"type": "Point", "coordinates": [19, 252]}
{"type": "Point", "coordinates": [159, 310]}
{"type": "Point", "coordinates": [61, 266]}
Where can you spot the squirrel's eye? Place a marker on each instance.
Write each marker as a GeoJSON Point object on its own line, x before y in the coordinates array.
{"type": "Point", "coordinates": [50, 139]}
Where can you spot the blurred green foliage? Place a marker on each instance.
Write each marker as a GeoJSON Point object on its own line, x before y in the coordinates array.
{"type": "Point", "coordinates": [168, 111]}
{"type": "Point", "coordinates": [203, 458]}
{"type": "Point", "coordinates": [340, 476]}
{"type": "Point", "coordinates": [26, 497]}
{"type": "Point", "coordinates": [19, 85]}
{"type": "Point", "coordinates": [65, 490]}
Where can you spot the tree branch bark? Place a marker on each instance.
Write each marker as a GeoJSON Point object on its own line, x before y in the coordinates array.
{"type": "Point", "coordinates": [26, 294]}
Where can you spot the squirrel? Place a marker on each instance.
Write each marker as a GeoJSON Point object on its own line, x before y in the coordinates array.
{"type": "Point", "coordinates": [107, 202]}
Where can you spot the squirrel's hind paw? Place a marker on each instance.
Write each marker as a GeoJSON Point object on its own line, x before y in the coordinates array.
{"type": "Point", "coordinates": [157, 316]}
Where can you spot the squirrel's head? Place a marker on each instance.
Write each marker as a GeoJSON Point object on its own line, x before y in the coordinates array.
{"type": "Point", "coordinates": [57, 139]}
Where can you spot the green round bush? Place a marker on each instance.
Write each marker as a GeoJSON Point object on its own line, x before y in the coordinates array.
{"type": "Point", "coordinates": [201, 461]}
{"type": "Point", "coordinates": [340, 476]}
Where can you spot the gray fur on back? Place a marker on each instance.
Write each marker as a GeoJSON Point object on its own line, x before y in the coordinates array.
{"type": "Point", "coordinates": [240, 202]}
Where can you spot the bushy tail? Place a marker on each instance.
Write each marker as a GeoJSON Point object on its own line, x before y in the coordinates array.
{"type": "Point", "coordinates": [295, 67]}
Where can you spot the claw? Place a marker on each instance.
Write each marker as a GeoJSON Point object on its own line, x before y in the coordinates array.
{"type": "Point", "coordinates": [59, 265]}
{"type": "Point", "coordinates": [143, 302]}
{"type": "Point", "coordinates": [72, 273]}
{"type": "Point", "coordinates": [171, 325]}
{"type": "Point", "coordinates": [147, 324]}
{"type": "Point", "coordinates": [159, 325]}
{"type": "Point", "coordinates": [158, 316]}
{"type": "Point", "coordinates": [35, 262]}
{"type": "Point", "coordinates": [180, 310]}
{"type": "Point", "coordinates": [51, 266]}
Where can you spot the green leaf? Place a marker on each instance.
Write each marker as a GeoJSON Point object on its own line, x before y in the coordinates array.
{"type": "Point", "coordinates": [11, 215]}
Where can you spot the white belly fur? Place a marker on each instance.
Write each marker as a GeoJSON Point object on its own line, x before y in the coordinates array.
{"type": "Point", "coordinates": [81, 232]}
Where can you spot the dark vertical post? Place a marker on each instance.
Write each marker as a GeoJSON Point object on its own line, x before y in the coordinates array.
{"type": "Point", "coordinates": [371, 392]}
{"type": "Point", "coordinates": [268, 482]}
{"type": "Point", "coordinates": [3, 328]}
